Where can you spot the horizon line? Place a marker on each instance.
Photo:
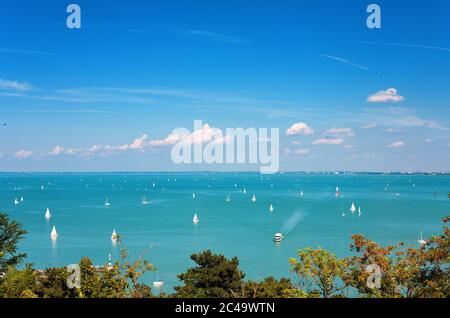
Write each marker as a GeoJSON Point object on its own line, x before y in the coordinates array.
{"type": "Point", "coordinates": [243, 171]}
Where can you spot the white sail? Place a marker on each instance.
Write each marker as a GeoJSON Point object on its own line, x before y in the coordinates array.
{"type": "Point", "coordinates": [254, 198]}
{"type": "Point", "coordinates": [42, 187]}
{"type": "Point", "coordinates": [301, 193]}
{"type": "Point", "coordinates": [107, 202]}
{"type": "Point", "coordinates": [193, 195]}
{"type": "Point", "coordinates": [271, 209]}
{"type": "Point", "coordinates": [195, 219]}
{"type": "Point", "coordinates": [158, 284]}
{"type": "Point", "coordinates": [54, 234]}
{"type": "Point", "coordinates": [48, 215]}
{"type": "Point", "coordinates": [421, 241]}
{"type": "Point", "coordinates": [16, 202]}
{"type": "Point", "coordinates": [245, 191]}
{"type": "Point", "coordinates": [21, 199]}
{"type": "Point", "coordinates": [353, 208]}
{"type": "Point", "coordinates": [337, 193]}
{"type": "Point", "coordinates": [228, 199]}
{"type": "Point", "coordinates": [114, 236]}
{"type": "Point", "coordinates": [359, 210]}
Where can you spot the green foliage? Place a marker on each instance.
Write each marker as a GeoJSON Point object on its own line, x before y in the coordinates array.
{"type": "Point", "coordinates": [134, 271]}
{"type": "Point", "coordinates": [433, 278]}
{"type": "Point", "coordinates": [406, 272]}
{"type": "Point", "coordinates": [52, 283]}
{"type": "Point", "coordinates": [320, 272]}
{"type": "Point", "coordinates": [10, 234]}
{"type": "Point", "coordinates": [271, 288]}
{"type": "Point", "coordinates": [214, 277]}
{"type": "Point", "coordinates": [17, 283]}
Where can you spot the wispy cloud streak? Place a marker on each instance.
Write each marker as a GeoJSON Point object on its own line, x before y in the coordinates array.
{"type": "Point", "coordinates": [420, 46]}
{"type": "Point", "coordinates": [217, 37]}
{"type": "Point", "coordinates": [344, 61]}
{"type": "Point", "coordinates": [22, 51]}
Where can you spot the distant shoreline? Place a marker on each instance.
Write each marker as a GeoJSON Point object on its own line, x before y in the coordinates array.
{"type": "Point", "coordinates": [233, 172]}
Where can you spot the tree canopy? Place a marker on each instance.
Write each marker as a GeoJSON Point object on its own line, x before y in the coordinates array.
{"type": "Point", "coordinates": [10, 235]}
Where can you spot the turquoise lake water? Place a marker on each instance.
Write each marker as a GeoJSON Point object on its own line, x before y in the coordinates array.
{"type": "Point", "coordinates": [409, 204]}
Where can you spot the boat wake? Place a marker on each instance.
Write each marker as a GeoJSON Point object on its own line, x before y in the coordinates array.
{"type": "Point", "coordinates": [292, 222]}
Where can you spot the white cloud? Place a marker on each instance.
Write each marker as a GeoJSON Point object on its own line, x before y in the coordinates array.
{"type": "Point", "coordinates": [205, 134]}
{"type": "Point", "coordinates": [349, 147]}
{"type": "Point", "coordinates": [339, 132]}
{"type": "Point", "coordinates": [57, 151]}
{"type": "Point", "coordinates": [169, 140]}
{"type": "Point", "coordinates": [14, 85]}
{"type": "Point", "coordinates": [413, 121]}
{"type": "Point", "coordinates": [22, 154]}
{"type": "Point", "coordinates": [328, 141]}
{"type": "Point", "coordinates": [389, 95]}
{"type": "Point", "coordinates": [139, 143]}
{"type": "Point", "coordinates": [94, 148]}
{"type": "Point", "coordinates": [117, 147]}
{"type": "Point", "coordinates": [369, 126]}
{"type": "Point", "coordinates": [428, 141]}
{"type": "Point", "coordinates": [299, 128]}
{"type": "Point", "coordinates": [396, 144]}
{"type": "Point", "coordinates": [72, 151]}
{"type": "Point", "coordinates": [302, 152]}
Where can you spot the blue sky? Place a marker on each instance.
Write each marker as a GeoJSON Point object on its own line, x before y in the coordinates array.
{"type": "Point", "coordinates": [370, 99]}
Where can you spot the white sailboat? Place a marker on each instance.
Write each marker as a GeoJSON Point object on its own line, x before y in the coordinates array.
{"type": "Point", "coordinates": [353, 208]}
{"type": "Point", "coordinates": [158, 284]}
{"type": "Point", "coordinates": [193, 195]}
{"type": "Point", "coordinates": [195, 219]}
{"type": "Point", "coordinates": [107, 204]}
{"type": "Point", "coordinates": [244, 191]}
{"type": "Point", "coordinates": [254, 198]}
{"type": "Point", "coordinates": [21, 199]}
{"type": "Point", "coordinates": [228, 199]}
{"type": "Point", "coordinates": [301, 193]}
{"type": "Point", "coordinates": [48, 215]}
{"type": "Point", "coordinates": [271, 209]}
{"type": "Point", "coordinates": [145, 201]}
{"type": "Point", "coordinates": [337, 193]}
{"type": "Point", "coordinates": [114, 236]}
{"type": "Point", "coordinates": [421, 241]}
{"type": "Point", "coordinates": [359, 211]}
{"type": "Point", "coordinates": [42, 187]}
{"type": "Point", "coordinates": [54, 234]}
{"type": "Point", "coordinates": [16, 202]}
